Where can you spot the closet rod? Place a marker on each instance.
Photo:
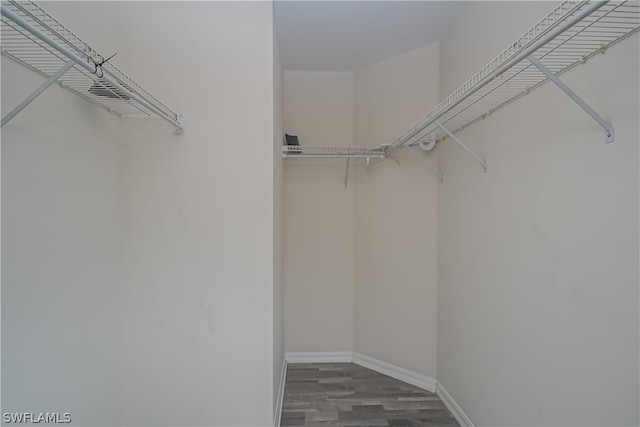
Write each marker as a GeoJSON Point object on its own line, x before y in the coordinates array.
{"type": "Point", "coordinates": [522, 54]}
{"type": "Point", "coordinates": [93, 69]}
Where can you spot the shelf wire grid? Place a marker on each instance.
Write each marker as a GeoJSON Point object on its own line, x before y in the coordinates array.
{"type": "Point", "coordinates": [23, 47]}
{"type": "Point", "coordinates": [332, 152]}
{"type": "Point", "coordinates": [607, 25]}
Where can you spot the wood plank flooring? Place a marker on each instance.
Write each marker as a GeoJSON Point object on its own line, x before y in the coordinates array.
{"type": "Point", "coordinates": [349, 395]}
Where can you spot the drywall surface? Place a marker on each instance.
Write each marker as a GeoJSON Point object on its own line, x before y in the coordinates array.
{"type": "Point", "coordinates": [60, 244]}
{"type": "Point", "coordinates": [278, 229]}
{"type": "Point", "coordinates": [318, 214]}
{"type": "Point", "coordinates": [395, 216]}
{"type": "Point", "coordinates": [198, 294]}
{"type": "Point", "coordinates": [538, 258]}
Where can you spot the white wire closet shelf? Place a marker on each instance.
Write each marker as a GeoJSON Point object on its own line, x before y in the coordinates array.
{"type": "Point", "coordinates": [571, 34]}
{"type": "Point", "coordinates": [289, 151]}
{"type": "Point", "coordinates": [41, 43]}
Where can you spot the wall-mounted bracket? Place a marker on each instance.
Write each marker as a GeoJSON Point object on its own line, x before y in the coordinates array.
{"type": "Point", "coordinates": [429, 165]}
{"type": "Point", "coordinates": [44, 86]}
{"type": "Point", "coordinates": [392, 158]}
{"type": "Point", "coordinates": [461, 144]}
{"type": "Point", "coordinates": [180, 121]}
{"type": "Point", "coordinates": [608, 128]}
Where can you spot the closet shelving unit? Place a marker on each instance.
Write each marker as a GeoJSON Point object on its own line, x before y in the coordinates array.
{"type": "Point", "coordinates": [41, 43]}
{"type": "Point", "coordinates": [570, 35]}
{"type": "Point", "coordinates": [332, 152]}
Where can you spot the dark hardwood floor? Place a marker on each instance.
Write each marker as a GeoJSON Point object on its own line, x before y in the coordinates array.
{"type": "Point", "coordinates": [349, 395]}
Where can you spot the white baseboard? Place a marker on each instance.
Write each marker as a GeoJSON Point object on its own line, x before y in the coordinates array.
{"type": "Point", "coordinates": [413, 378]}
{"type": "Point", "coordinates": [453, 407]}
{"type": "Point", "coordinates": [423, 381]}
{"type": "Point", "coordinates": [319, 357]}
{"type": "Point", "coordinates": [280, 398]}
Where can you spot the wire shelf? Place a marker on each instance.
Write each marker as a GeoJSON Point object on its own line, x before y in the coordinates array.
{"type": "Point", "coordinates": [509, 75]}
{"type": "Point", "coordinates": [296, 151]}
{"type": "Point", "coordinates": [38, 52]}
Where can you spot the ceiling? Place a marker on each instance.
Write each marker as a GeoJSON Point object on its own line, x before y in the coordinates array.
{"type": "Point", "coordinates": [348, 35]}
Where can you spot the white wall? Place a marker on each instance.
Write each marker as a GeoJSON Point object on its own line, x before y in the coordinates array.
{"type": "Point", "coordinates": [199, 293]}
{"type": "Point", "coordinates": [318, 214]}
{"type": "Point", "coordinates": [335, 248]}
{"type": "Point", "coordinates": [538, 258]}
{"type": "Point", "coordinates": [143, 270]}
{"type": "Point", "coordinates": [60, 243]}
{"type": "Point", "coordinates": [395, 217]}
{"type": "Point", "coordinates": [278, 225]}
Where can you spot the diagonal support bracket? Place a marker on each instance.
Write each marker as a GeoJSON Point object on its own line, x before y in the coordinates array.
{"type": "Point", "coordinates": [429, 165]}
{"type": "Point", "coordinates": [393, 158]}
{"type": "Point", "coordinates": [29, 99]}
{"type": "Point", "coordinates": [608, 128]}
{"type": "Point", "coordinates": [462, 144]}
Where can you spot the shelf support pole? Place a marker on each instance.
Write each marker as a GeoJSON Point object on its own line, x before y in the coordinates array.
{"type": "Point", "coordinates": [462, 144]}
{"type": "Point", "coordinates": [29, 99]}
{"type": "Point", "coordinates": [429, 165]}
{"type": "Point", "coordinates": [346, 173]}
{"type": "Point", "coordinates": [608, 128]}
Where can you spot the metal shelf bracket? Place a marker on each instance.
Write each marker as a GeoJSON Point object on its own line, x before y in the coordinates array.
{"type": "Point", "coordinates": [608, 128]}
{"type": "Point", "coordinates": [180, 121]}
{"type": "Point", "coordinates": [44, 86]}
{"type": "Point", "coordinates": [462, 144]}
{"type": "Point", "coordinates": [429, 165]}
{"type": "Point", "coordinates": [393, 158]}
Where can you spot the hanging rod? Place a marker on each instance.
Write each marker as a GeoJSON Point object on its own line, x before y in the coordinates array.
{"type": "Point", "coordinates": [35, 39]}
{"type": "Point", "coordinates": [570, 35]}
